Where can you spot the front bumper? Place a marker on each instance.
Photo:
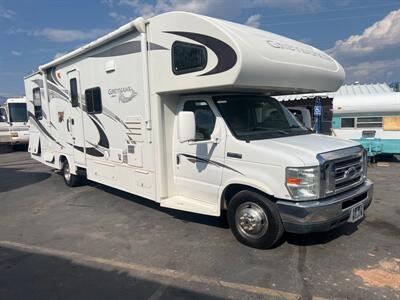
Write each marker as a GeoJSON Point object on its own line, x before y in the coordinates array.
{"type": "Point", "coordinates": [323, 214]}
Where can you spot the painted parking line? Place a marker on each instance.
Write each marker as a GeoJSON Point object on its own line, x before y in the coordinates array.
{"type": "Point", "coordinates": [161, 272]}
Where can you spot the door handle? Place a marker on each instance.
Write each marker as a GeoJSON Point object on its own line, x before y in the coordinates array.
{"type": "Point", "coordinates": [69, 130]}
{"type": "Point", "coordinates": [178, 159]}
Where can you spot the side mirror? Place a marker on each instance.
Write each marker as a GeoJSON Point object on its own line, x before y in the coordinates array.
{"type": "Point", "coordinates": [186, 126]}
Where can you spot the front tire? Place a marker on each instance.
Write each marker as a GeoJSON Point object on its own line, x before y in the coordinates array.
{"type": "Point", "coordinates": [69, 178]}
{"type": "Point", "coordinates": [254, 220]}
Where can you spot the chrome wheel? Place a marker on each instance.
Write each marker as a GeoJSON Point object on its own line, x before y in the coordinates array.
{"type": "Point", "coordinates": [67, 173]}
{"type": "Point", "coordinates": [251, 220]}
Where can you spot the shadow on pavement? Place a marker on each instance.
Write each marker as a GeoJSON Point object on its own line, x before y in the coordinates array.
{"type": "Point", "coordinates": [15, 178]}
{"type": "Point", "coordinates": [25, 275]}
{"type": "Point", "coordinates": [181, 215]}
{"type": "Point", "coordinates": [319, 238]}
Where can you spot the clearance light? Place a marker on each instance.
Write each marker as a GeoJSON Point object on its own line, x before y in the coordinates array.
{"type": "Point", "coordinates": [14, 134]}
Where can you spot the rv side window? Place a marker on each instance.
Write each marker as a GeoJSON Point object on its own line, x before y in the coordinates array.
{"type": "Point", "coordinates": [37, 103]}
{"type": "Point", "coordinates": [347, 123]}
{"type": "Point", "coordinates": [93, 101]}
{"type": "Point", "coordinates": [187, 58]}
{"type": "Point", "coordinates": [74, 92]}
{"type": "Point", "coordinates": [3, 116]}
{"type": "Point", "coordinates": [368, 122]}
{"type": "Point", "coordinates": [205, 118]}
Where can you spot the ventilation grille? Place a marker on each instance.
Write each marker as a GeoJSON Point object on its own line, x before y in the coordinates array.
{"type": "Point", "coordinates": [134, 127]}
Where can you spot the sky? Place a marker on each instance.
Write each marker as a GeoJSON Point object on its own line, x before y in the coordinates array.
{"type": "Point", "coordinates": [363, 35]}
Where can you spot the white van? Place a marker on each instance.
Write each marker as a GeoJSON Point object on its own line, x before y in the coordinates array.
{"type": "Point", "coordinates": [178, 109]}
{"type": "Point", "coordinates": [14, 119]}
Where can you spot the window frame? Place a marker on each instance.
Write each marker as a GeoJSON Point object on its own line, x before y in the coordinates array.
{"type": "Point", "coordinates": [188, 70]}
{"type": "Point", "coordinates": [39, 117]}
{"type": "Point", "coordinates": [74, 100]}
{"type": "Point", "coordinates": [93, 112]}
{"type": "Point", "coordinates": [209, 105]}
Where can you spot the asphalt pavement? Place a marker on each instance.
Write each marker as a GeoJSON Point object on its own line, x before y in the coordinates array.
{"type": "Point", "coordinates": [95, 242]}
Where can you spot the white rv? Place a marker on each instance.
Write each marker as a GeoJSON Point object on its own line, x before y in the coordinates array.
{"type": "Point", "coordinates": [177, 109]}
{"type": "Point", "coordinates": [14, 127]}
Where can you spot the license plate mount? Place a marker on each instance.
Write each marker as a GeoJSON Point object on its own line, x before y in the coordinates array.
{"type": "Point", "coordinates": [357, 213]}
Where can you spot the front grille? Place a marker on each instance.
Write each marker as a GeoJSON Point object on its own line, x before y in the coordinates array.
{"type": "Point", "coordinates": [342, 170]}
{"type": "Point", "coordinates": [348, 172]}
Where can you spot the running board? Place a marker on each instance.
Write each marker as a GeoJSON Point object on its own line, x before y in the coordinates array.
{"type": "Point", "coordinates": [190, 205]}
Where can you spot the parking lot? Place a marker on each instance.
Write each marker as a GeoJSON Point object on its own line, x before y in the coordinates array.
{"type": "Point", "coordinates": [94, 242]}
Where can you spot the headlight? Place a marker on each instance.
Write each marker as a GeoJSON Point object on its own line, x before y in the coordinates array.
{"type": "Point", "coordinates": [303, 183]}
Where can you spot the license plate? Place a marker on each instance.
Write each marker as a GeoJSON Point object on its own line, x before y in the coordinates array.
{"type": "Point", "coordinates": [357, 212]}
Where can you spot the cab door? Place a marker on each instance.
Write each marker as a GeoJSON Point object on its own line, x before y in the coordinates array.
{"type": "Point", "coordinates": [199, 164]}
{"type": "Point", "coordinates": [74, 121]}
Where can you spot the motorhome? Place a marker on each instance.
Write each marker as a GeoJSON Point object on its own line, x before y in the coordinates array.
{"type": "Point", "coordinates": [14, 125]}
{"type": "Point", "coordinates": [372, 120]}
{"type": "Point", "coordinates": [178, 109]}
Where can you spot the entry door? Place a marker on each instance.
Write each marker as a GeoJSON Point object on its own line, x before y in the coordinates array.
{"type": "Point", "coordinates": [199, 165]}
{"type": "Point", "coordinates": [75, 119]}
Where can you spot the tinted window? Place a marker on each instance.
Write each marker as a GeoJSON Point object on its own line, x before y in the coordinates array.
{"type": "Point", "coordinates": [37, 102]}
{"type": "Point", "coordinates": [187, 58]}
{"type": "Point", "coordinates": [3, 115]}
{"type": "Point", "coordinates": [18, 112]}
{"type": "Point", "coordinates": [205, 119]}
{"type": "Point", "coordinates": [93, 100]}
{"type": "Point", "coordinates": [369, 122]}
{"type": "Point", "coordinates": [347, 123]}
{"type": "Point", "coordinates": [74, 92]}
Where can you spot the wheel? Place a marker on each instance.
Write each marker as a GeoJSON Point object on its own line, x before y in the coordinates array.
{"type": "Point", "coordinates": [69, 178]}
{"type": "Point", "coordinates": [254, 220]}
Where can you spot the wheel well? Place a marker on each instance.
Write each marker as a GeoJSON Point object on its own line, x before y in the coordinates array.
{"type": "Point", "coordinates": [62, 160]}
{"type": "Point", "coordinates": [232, 189]}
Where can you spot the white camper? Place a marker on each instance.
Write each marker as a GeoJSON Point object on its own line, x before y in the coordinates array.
{"type": "Point", "coordinates": [372, 120]}
{"type": "Point", "coordinates": [177, 109]}
{"type": "Point", "coordinates": [14, 127]}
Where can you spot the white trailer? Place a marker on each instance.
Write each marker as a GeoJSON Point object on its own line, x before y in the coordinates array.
{"type": "Point", "coordinates": [373, 120]}
{"type": "Point", "coordinates": [177, 109]}
{"type": "Point", "coordinates": [14, 127]}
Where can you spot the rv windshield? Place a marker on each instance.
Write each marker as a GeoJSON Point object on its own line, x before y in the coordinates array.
{"type": "Point", "coordinates": [18, 112]}
{"type": "Point", "coordinates": [252, 117]}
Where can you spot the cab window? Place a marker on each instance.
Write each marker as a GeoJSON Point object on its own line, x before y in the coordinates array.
{"type": "Point", "coordinates": [204, 117]}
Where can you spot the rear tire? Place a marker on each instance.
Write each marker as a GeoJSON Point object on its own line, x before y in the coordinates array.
{"type": "Point", "coordinates": [254, 220]}
{"type": "Point", "coordinates": [69, 178]}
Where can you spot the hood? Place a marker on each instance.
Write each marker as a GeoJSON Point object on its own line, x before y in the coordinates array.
{"type": "Point", "coordinates": [306, 147]}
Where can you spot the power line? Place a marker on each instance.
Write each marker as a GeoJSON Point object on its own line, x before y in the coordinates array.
{"type": "Point", "coordinates": [321, 20]}
{"type": "Point", "coordinates": [331, 10]}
